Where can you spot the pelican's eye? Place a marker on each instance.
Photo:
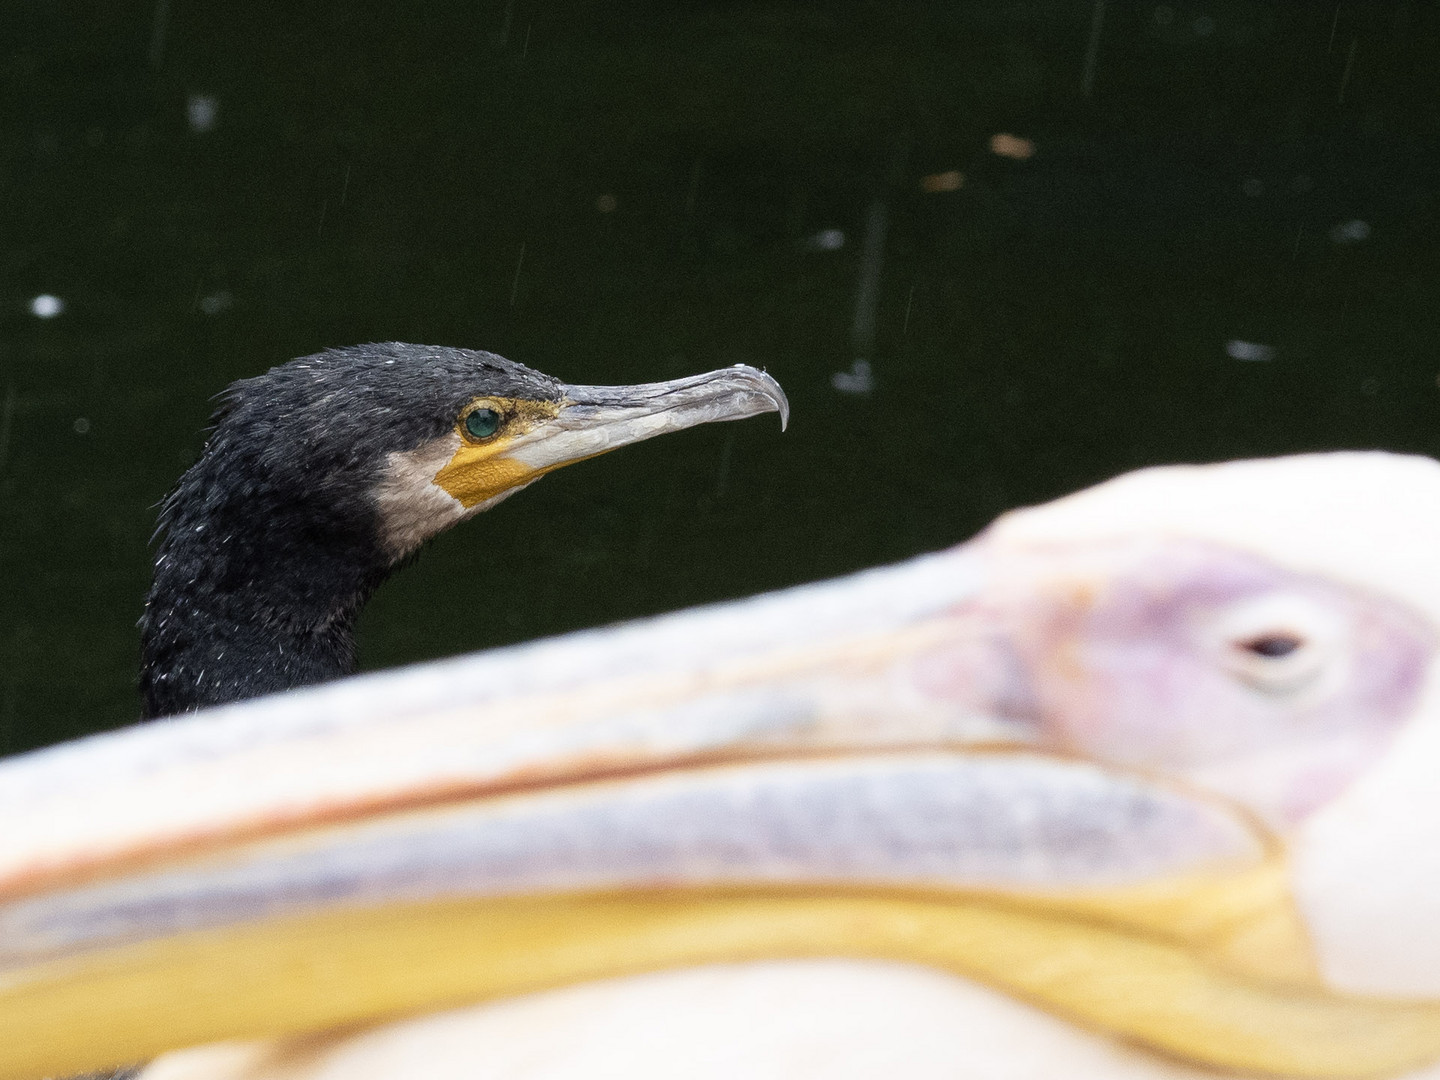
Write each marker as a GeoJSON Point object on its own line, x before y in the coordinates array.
{"type": "Point", "coordinates": [1279, 643]}
{"type": "Point", "coordinates": [482, 423]}
{"type": "Point", "coordinates": [1273, 646]}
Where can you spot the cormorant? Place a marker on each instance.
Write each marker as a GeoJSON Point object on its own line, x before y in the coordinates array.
{"type": "Point", "coordinates": [1139, 784]}
{"type": "Point", "coordinates": [325, 474]}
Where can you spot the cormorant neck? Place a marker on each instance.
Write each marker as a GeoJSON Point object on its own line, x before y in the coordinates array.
{"type": "Point", "coordinates": [253, 595]}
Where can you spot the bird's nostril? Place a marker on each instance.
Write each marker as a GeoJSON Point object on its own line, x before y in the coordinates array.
{"type": "Point", "coordinates": [1272, 646]}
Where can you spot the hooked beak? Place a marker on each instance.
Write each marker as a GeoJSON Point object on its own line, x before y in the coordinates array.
{"type": "Point", "coordinates": [782, 776]}
{"type": "Point", "coordinates": [732, 393]}
{"type": "Point", "coordinates": [597, 419]}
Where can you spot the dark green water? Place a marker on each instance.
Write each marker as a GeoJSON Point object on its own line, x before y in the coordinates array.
{"type": "Point", "coordinates": [375, 171]}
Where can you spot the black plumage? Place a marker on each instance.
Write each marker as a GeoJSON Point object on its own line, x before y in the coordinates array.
{"type": "Point", "coordinates": [270, 544]}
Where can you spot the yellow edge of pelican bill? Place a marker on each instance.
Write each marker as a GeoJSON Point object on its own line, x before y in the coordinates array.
{"type": "Point", "coordinates": [1189, 996]}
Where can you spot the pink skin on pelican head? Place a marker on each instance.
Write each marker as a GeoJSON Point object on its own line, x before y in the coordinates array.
{"type": "Point", "coordinates": [1200, 663]}
{"type": "Point", "coordinates": [1333, 743]}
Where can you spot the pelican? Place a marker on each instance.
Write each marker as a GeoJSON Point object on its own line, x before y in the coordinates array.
{"type": "Point", "coordinates": [1141, 783]}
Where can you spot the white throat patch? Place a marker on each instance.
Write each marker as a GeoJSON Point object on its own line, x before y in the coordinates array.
{"type": "Point", "coordinates": [412, 507]}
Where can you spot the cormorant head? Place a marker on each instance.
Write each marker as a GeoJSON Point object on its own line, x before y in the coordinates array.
{"type": "Point", "coordinates": [324, 473]}
{"type": "Point", "coordinates": [418, 438]}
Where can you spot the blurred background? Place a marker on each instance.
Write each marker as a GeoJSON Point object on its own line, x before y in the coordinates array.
{"type": "Point", "coordinates": [995, 250]}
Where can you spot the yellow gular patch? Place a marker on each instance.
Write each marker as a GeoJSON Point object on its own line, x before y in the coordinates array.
{"type": "Point", "coordinates": [479, 470]}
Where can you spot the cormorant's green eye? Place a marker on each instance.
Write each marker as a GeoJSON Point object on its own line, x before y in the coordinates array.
{"type": "Point", "coordinates": [482, 423]}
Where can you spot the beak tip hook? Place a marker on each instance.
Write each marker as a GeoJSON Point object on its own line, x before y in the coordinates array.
{"type": "Point", "coordinates": [772, 391]}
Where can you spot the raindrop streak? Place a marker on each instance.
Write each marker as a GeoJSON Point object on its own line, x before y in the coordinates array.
{"type": "Point", "coordinates": [867, 289]}
{"type": "Point", "coordinates": [505, 23]}
{"type": "Point", "coordinates": [345, 186]}
{"type": "Point", "coordinates": [909, 303]}
{"type": "Point", "coordinates": [722, 474]}
{"type": "Point", "coordinates": [515, 284]}
{"type": "Point", "coordinates": [1092, 50]}
{"type": "Point", "coordinates": [324, 206]}
{"type": "Point", "coordinates": [1334, 25]}
{"type": "Point", "coordinates": [1349, 66]}
{"type": "Point", "coordinates": [159, 23]}
{"type": "Point", "coordinates": [7, 414]}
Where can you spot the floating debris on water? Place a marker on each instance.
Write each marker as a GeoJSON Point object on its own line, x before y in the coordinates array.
{"type": "Point", "coordinates": [202, 111]}
{"type": "Point", "coordinates": [1350, 232]}
{"type": "Point", "coordinates": [1249, 350]}
{"type": "Point", "coordinates": [858, 380]}
{"type": "Point", "coordinates": [951, 180]}
{"type": "Point", "coordinates": [217, 302]}
{"type": "Point", "coordinates": [1003, 144]}
{"type": "Point", "coordinates": [46, 306]}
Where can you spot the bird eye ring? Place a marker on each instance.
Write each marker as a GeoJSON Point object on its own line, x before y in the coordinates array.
{"type": "Point", "coordinates": [1276, 661]}
{"type": "Point", "coordinates": [482, 423]}
{"type": "Point", "coordinates": [1282, 642]}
